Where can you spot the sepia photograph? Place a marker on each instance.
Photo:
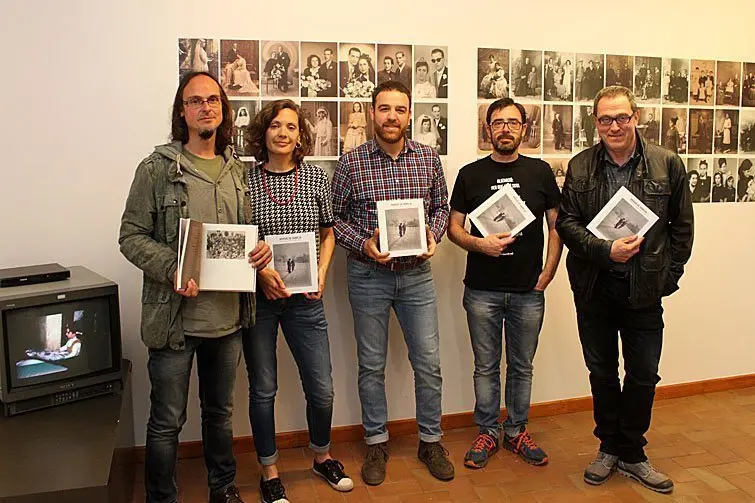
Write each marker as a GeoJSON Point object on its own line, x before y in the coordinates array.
{"type": "Point", "coordinates": [588, 76]}
{"type": "Point", "coordinates": [747, 131]}
{"type": "Point", "coordinates": [239, 67]}
{"type": "Point", "coordinates": [526, 74]}
{"type": "Point", "coordinates": [624, 215]}
{"type": "Point", "coordinates": [295, 260]}
{"type": "Point", "coordinates": [280, 69]}
{"type": "Point", "coordinates": [197, 55]}
{"type": "Point", "coordinates": [700, 131]}
{"type": "Point", "coordinates": [319, 75]}
{"type": "Point", "coordinates": [558, 76]}
{"type": "Point", "coordinates": [619, 70]}
{"type": "Point", "coordinates": [434, 71]}
{"type": "Point", "coordinates": [559, 166]}
{"type": "Point", "coordinates": [356, 128]}
{"type": "Point", "coordinates": [356, 69]}
{"type": "Point", "coordinates": [699, 176]}
{"type": "Point", "coordinates": [729, 80]}
{"type": "Point", "coordinates": [702, 81]}
{"type": "Point", "coordinates": [674, 129]}
{"type": "Point", "coordinates": [321, 117]}
{"type": "Point", "coordinates": [493, 76]}
{"type": "Point", "coordinates": [395, 63]}
{"type": "Point", "coordinates": [675, 81]}
{"type": "Point", "coordinates": [402, 227]}
{"type": "Point", "coordinates": [585, 133]}
{"type": "Point", "coordinates": [647, 79]}
{"type": "Point", "coordinates": [648, 124]}
{"type": "Point", "coordinates": [724, 180]}
{"type": "Point", "coordinates": [531, 135]}
{"type": "Point", "coordinates": [746, 181]}
{"type": "Point", "coordinates": [726, 131]}
{"type": "Point", "coordinates": [748, 85]}
{"type": "Point", "coordinates": [430, 121]}
{"type": "Point", "coordinates": [557, 133]}
{"type": "Point", "coordinates": [226, 245]}
{"type": "Point", "coordinates": [243, 113]}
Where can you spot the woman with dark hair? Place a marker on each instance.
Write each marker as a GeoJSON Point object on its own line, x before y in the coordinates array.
{"type": "Point", "coordinates": [719, 191]}
{"type": "Point", "coordinates": [746, 174]}
{"type": "Point", "coordinates": [290, 196]}
{"type": "Point", "coordinates": [423, 88]}
{"type": "Point", "coordinates": [671, 138]}
{"type": "Point", "coordinates": [695, 188]}
{"type": "Point", "coordinates": [311, 80]}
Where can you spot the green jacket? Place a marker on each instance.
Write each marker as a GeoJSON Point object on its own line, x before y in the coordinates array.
{"type": "Point", "coordinates": [149, 239]}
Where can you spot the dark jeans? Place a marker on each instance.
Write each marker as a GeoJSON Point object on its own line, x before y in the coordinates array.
{"type": "Point", "coordinates": [169, 372]}
{"type": "Point", "coordinates": [622, 416]}
{"type": "Point", "coordinates": [306, 332]}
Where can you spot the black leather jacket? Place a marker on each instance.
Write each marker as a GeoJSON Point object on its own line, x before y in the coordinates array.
{"type": "Point", "coordinates": [660, 182]}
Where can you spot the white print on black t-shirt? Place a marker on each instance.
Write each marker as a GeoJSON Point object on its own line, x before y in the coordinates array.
{"type": "Point", "coordinates": [503, 181]}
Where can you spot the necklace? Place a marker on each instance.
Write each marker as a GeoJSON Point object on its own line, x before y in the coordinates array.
{"type": "Point", "coordinates": [270, 194]}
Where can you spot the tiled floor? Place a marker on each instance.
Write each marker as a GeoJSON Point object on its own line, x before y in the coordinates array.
{"type": "Point", "coordinates": [706, 443]}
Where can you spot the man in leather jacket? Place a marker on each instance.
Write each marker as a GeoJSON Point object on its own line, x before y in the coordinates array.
{"type": "Point", "coordinates": [618, 285]}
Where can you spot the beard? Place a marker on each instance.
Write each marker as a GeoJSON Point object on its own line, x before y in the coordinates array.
{"type": "Point", "coordinates": [390, 137]}
{"type": "Point", "coordinates": [207, 133]}
{"type": "Point", "coordinates": [506, 148]}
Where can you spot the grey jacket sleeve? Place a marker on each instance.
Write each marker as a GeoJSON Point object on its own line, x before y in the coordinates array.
{"type": "Point", "coordinates": [137, 233]}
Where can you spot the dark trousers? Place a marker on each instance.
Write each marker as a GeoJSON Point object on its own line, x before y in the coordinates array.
{"type": "Point", "coordinates": [622, 414]}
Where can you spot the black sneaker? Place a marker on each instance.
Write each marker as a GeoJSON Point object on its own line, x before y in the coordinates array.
{"type": "Point", "coordinates": [273, 491]}
{"type": "Point", "coordinates": [228, 495]}
{"type": "Point", "coordinates": [332, 471]}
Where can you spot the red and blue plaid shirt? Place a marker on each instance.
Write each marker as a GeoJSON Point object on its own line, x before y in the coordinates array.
{"type": "Point", "coordinates": [367, 175]}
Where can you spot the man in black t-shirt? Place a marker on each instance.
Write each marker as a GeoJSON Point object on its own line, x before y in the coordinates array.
{"type": "Point", "coordinates": [505, 281]}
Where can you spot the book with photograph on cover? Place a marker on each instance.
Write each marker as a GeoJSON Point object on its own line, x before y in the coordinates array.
{"type": "Point", "coordinates": [624, 215]}
{"type": "Point", "coordinates": [215, 256]}
{"type": "Point", "coordinates": [504, 211]}
{"type": "Point", "coordinates": [295, 260]}
{"type": "Point", "coordinates": [402, 227]}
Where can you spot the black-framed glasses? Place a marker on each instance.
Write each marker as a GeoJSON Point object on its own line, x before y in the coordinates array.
{"type": "Point", "coordinates": [513, 124]}
{"type": "Point", "coordinates": [196, 102]}
{"type": "Point", "coordinates": [436, 60]}
{"type": "Point", "coordinates": [621, 120]}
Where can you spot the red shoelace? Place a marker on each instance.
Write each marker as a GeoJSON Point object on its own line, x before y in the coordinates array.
{"type": "Point", "coordinates": [483, 442]}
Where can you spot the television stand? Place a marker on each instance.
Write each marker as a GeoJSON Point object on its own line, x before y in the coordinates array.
{"type": "Point", "coordinates": [72, 453]}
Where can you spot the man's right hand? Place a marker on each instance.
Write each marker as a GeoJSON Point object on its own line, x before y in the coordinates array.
{"type": "Point", "coordinates": [625, 248]}
{"type": "Point", "coordinates": [191, 290]}
{"type": "Point", "coordinates": [272, 284]}
{"type": "Point", "coordinates": [371, 249]}
{"type": "Point", "coordinates": [494, 244]}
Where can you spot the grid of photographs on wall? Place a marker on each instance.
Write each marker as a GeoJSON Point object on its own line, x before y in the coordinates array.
{"type": "Point", "coordinates": [333, 83]}
{"type": "Point", "coordinates": [704, 110]}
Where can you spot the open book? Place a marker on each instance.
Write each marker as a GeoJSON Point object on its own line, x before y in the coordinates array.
{"type": "Point", "coordinates": [216, 256]}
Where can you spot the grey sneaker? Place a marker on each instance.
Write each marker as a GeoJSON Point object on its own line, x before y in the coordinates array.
{"type": "Point", "coordinates": [373, 468]}
{"type": "Point", "coordinates": [647, 475]}
{"type": "Point", "coordinates": [600, 469]}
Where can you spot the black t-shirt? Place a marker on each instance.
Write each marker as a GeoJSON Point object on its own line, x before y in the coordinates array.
{"type": "Point", "coordinates": [518, 268]}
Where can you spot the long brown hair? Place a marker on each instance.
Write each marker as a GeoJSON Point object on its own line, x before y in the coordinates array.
{"type": "Point", "coordinates": [179, 131]}
{"type": "Point", "coordinates": [261, 122]}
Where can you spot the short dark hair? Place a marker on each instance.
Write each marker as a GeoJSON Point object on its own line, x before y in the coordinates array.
{"type": "Point", "coordinates": [179, 131]}
{"type": "Point", "coordinates": [420, 63]}
{"type": "Point", "coordinates": [388, 58]}
{"type": "Point", "coordinates": [328, 49]}
{"type": "Point", "coordinates": [352, 49]}
{"type": "Point", "coordinates": [502, 103]}
{"type": "Point", "coordinates": [261, 122]}
{"type": "Point", "coordinates": [391, 85]}
{"type": "Point", "coordinates": [442, 54]}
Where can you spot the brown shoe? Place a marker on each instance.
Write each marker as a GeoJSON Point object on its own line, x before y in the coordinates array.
{"type": "Point", "coordinates": [435, 456]}
{"type": "Point", "coordinates": [373, 468]}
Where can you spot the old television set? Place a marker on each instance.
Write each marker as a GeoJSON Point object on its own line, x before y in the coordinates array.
{"type": "Point", "coordinates": [59, 341]}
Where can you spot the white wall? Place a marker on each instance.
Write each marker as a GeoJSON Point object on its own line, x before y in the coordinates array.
{"type": "Point", "coordinates": [86, 92]}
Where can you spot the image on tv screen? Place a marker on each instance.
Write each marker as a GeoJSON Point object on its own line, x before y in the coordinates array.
{"type": "Point", "coordinates": [59, 341]}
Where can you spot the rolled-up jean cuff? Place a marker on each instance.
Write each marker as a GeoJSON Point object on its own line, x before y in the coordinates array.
{"type": "Point", "coordinates": [376, 439]}
{"type": "Point", "coordinates": [268, 460]}
{"type": "Point", "coordinates": [319, 450]}
{"type": "Point", "coordinates": [429, 438]}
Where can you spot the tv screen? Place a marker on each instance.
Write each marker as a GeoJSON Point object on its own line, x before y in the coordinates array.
{"type": "Point", "coordinates": [58, 342]}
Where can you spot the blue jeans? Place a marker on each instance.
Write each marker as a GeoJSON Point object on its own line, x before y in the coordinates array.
{"type": "Point", "coordinates": [373, 291]}
{"type": "Point", "coordinates": [169, 372]}
{"type": "Point", "coordinates": [306, 332]}
{"type": "Point", "coordinates": [519, 316]}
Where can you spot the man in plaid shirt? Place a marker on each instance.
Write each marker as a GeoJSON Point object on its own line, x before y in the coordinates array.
{"type": "Point", "coordinates": [392, 167]}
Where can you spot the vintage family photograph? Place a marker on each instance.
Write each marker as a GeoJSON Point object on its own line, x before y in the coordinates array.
{"type": "Point", "coordinates": [675, 82]}
{"type": "Point", "coordinates": [585, 133]}
{"type": "Point", "coordinates": [674, 129]}
{"type": "Point", "coordinates": [243, 113]}
{"type": "Point", "coordinates": [729, 80]}
{"type": "Point", "coordinates": [430, 71]}
{"type": "Point", "coordinates": [747, 132]}
{"type": "Point", "coordinates": [526, 74]}
{"type": "Point", "coordinates": [699, 175]}
{"type": "Point", "coordinates": [558, 76]}
{"type": "Point", "coordinates": [619, 70]}
{"type": "Point", "coordinates": [700, 131]}
{"type": "Point", "coordinates": [197, 55]}
{"type": "Point", "coordinates": [748, 85]}
{"type": "Point", "coordinates": [239, 67]}
{"type": "Point", "coordinates": [702, 81]}
{"type": "Point", "coordinates": [647, 79]}
{"type": "Point", "coordinates": [356, 128]}
{"type": "Point", "coordinates": [588, 76]}
{"type": "Point", "coordinates": [726, 131]}
{"type": "Point", "coordinates": [280, 69]}
{"type": "Point", "coordinates": [430, 121]}
{"type": "Point", "coordinates": [724, 180]}
{"type": "Point", "coordinates": [557, 132]}
{"type": "Point", "coordinates": [492, 73]}
{"type": "Point", "coordinates": [319, 75]}
{"type": "Point", "coordinates": [321, 117]}
{"type": "Point", "coordinates": [395, 63]}
{"type": "Point", "coordinates": [648, 124]}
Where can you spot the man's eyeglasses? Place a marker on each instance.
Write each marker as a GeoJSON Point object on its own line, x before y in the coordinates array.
{"type": "Point", "coordinates": [513, 124]}
{"type": "Point", "coordinates": [621, 120]}
{"type": "Point", "coordinates": [436, 60]}
{"type": "Point", "coordinates": [196, 102]}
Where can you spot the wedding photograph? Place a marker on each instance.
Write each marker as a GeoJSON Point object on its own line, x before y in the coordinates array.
{"type": "Point", "coordinates": [748, 85]}
{"type": "Point", "coordinates": [648, 124]}
{"type": "Point", "coordinates": [674, 129]}
{"type": "Point", "coordinates": [430, 77]}
{"type": "Point", "coordinates": [526, 74]}
{"type": "Point", "coordinates": [197, 55]}
{"type": "Point", "coordinates": [647, 79]}
{"type": "Point", "coordinates": [728, 82]}
{"type": "Point", "coordinates": [699, 175]}
{"type": "Point", "coordinates": [619, 70]}
{"type": "Point", "coordinates": [675, 81]}
{"type": "Point", "coordinates": [280, 69]}
{"type": "Point", "coordinates": [726, 131]}
{"type": "Point", "coordinates": [493, 76]}
{"type": "Point", "coordinates": [585, 133]}
{"type": "Point", "coordinates": [356, 128]}
{"type": "Point", "coordinates": [700, 131]}
{"type": "Point", "coordinates": [557, 133]}
{"type": "Point", "coordinates": [395, 63]}
{"type": "Point", "coordinates": [588, 76]}
{"type": "Point", "coordinates": [239, 67]}
{"type": "Point", "coordinates": [243, 113]}
{"type": "Point", "coordinates": [430, 121]}
{"type": "Point", "coordinates": [319, 75]}
{"type": "Point", "coordinates": [702, 81]}
{"type": "Point", "coordinates": [356, 69]}
{"type": "Point", "coordinates": [724, 180]}
{"type": "Point", "coordinates": [558, 76]}
{"type": "Point", "coordinates": [321, 117]}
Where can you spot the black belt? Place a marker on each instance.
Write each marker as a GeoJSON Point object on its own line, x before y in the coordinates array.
{"type": "Point", "coordinates": [614, 273]}
{"type": "Point", "coordinates": [391, 266]}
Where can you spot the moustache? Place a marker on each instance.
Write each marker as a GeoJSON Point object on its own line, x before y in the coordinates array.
{"type": "Point", "coordinates": [392, 123]}
{"type": "Point", "coordinates": [504, 137]}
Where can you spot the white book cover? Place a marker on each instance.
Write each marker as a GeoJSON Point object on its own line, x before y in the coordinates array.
{"type": "Point", "coordinates": [504, 211]}
{"type": "Point", "coordinates": [624, 215]}
{"type": "Point", "coordinates": [295, 260]}
{"type": "Point", "coordinates": [225, 251]}
{"type": "Point", "coordinates": [402, 227]}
